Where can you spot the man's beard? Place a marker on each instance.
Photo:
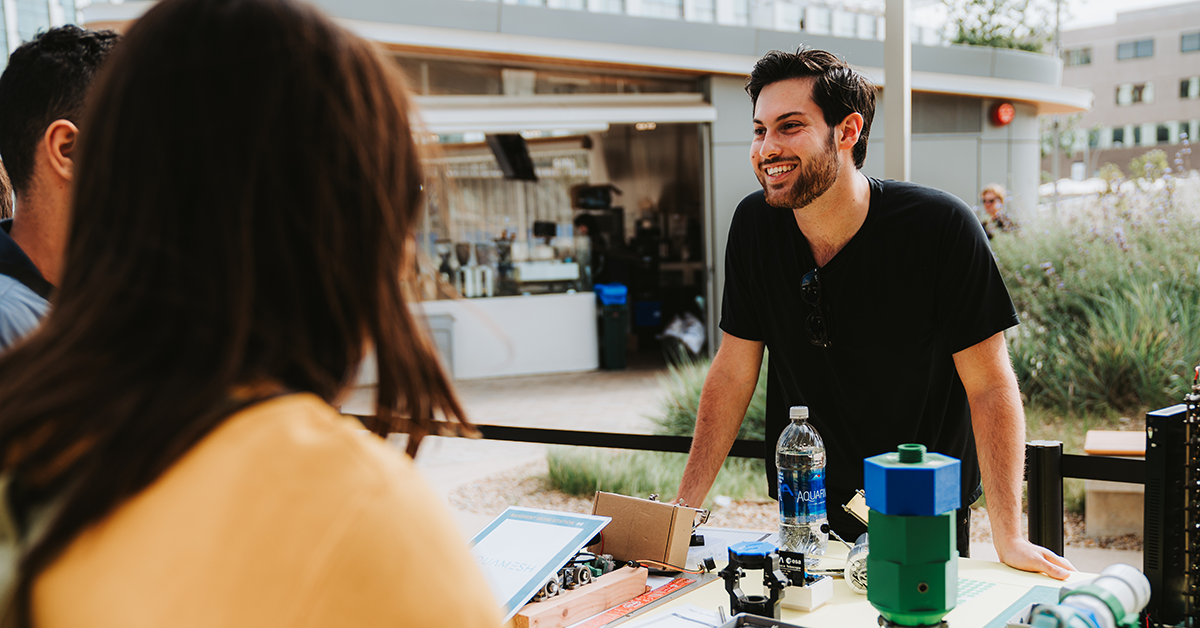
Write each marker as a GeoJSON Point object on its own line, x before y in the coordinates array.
{"type": "Point", "coordinates": [816, 176]}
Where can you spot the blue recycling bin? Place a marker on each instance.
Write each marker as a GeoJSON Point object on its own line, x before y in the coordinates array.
{"type": "Point", "coordinates": [614, 323]}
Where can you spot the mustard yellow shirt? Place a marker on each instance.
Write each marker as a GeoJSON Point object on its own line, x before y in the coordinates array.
{"type": "Point", "coordinates": [285, 515]}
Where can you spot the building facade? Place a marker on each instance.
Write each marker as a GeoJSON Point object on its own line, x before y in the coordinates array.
{"type": "Point", "coordinates": [1144, 71]}
{"type": "Point", "coordinates": [25, 18]}
{"type": "Point", "coordinates": [651, 111]}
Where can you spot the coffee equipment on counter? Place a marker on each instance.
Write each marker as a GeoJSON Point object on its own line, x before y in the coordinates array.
{"type": "Point", "coordinates": [473, 278]}
{"type": "Point", "coordinates": [446, 268]}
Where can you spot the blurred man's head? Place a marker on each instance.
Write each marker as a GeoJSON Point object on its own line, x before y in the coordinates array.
{"type": "Point", "coordinates": [46, 81]}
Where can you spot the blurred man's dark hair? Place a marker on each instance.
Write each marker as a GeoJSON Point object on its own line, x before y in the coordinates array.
{"type": "Point", "coordinates": [839, 90]}
{"type": "Point", "coordinates": [47, 79]}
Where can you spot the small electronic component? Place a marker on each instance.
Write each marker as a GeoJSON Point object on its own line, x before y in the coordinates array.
{"type": "Point", "coordinates": [754, 555]}
{"type": "Point", "coordinates": [578, 572]}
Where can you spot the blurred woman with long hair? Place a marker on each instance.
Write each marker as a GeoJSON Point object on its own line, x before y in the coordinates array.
{"type": "Point", "coordinates": [244, 205]}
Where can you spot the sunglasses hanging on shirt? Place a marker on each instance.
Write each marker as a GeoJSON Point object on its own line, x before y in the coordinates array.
{"type": "Point", "coordinates": [816, 326]}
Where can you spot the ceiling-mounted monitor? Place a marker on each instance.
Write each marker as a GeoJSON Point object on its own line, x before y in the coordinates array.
{"type": "Point", "coordinates": [513, 156]}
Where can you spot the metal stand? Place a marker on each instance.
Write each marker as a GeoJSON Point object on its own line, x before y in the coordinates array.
{"type": "Point", "coordinates": [773, 579]}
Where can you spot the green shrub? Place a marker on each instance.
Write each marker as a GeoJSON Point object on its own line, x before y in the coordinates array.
{"type": "Point", "coordinates": [582, 471]}
{"type": "Point", "coordinates": [681, 399]}
{"type": "Point", "coordinates": [1109, 298]}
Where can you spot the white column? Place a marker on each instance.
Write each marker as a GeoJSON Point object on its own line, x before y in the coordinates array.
{"type": "Point", "coordinates": [897, 91]}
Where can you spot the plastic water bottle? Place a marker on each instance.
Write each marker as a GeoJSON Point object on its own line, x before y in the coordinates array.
{"type": "Point", "coordinates": [800, 457]}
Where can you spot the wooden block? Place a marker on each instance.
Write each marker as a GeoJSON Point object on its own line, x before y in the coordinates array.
{"type": "Point", "coordinates": [1110, 443]}
{"type": "Point", "coordinates": [569, 607]}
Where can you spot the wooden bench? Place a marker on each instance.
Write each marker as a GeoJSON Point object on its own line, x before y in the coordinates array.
{"type": "Point", "coordinates": [1114, 508]}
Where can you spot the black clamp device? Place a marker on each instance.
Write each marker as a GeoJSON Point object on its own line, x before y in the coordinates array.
{"type": "Point", "coordinates": [754, 555]}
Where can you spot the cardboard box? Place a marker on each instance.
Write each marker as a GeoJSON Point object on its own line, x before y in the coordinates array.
{"type": "Point", "coordinates": [644, 530]}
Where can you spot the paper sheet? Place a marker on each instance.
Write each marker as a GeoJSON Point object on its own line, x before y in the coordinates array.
{"type": "Point", "coordinates": [717, 542]}
{"type": "Point", "coordinates": [682, 616]}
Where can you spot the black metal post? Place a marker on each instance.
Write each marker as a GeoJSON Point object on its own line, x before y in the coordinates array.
{"type": "Point", "coordinates": [1043, 471]}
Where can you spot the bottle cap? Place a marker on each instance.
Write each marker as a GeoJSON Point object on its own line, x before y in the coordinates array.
{"type": "Point", "coordinates": [798, 412]}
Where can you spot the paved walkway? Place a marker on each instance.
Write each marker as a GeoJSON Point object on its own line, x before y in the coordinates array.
{"type": "Point", "coordinates": [599, 401]}
{"type": "Point", "coordinates": [613, 401]}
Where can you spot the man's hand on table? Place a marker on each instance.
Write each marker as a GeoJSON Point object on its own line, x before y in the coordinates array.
{"type": "Point", "coordinates": [1019, 553]}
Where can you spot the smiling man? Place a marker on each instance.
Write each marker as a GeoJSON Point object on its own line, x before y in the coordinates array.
{"type": "Point", "coordinates": [879, 301]}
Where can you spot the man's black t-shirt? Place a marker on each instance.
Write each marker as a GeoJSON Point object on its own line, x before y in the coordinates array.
{"type": "Point", "coordinates": [915, 285]}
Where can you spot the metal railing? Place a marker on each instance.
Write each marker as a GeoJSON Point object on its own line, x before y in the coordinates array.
{"type": "Point", "coordinates": [1045, 467]}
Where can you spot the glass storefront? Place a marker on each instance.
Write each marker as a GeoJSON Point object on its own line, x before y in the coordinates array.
{"type": "Point", "coordinates": [494, 236]}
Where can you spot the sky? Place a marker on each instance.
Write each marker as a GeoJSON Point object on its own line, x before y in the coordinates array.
{"type": "Point", "coordinates": [1084, 13]}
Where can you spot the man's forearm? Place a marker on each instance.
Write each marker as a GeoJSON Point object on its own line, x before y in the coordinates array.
{"type": "Point", "coordinates": [728, 388]}
{"type": "Point", "coordinates": [999, 424]}
{"type": "Point", "coordinates": [715, 433]}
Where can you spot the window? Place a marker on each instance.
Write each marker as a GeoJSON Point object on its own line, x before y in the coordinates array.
{"type": "Point", "coordinates": [1137, 136]}
{"type": "Point", "coordinates": [818, 20]}
{"type": "Point", "coordinates": [663, 8]}
{"type": "Point", "coordinates": [608, 6]}
{"type": "Point", "coordinates": [1189, 42]}
{"type": "Point", "coordinates": [1162, 134]}
{"type": "Point", "coordinates": [845, 24]}
{"type": "Point", "coordinates": [1189, 88]}
{"type": "Point", "coordinates": [704, 11]}
{"type": "Point", "coordinates": [866, 26]}
{"type": "Point", "coordinates": [1130, 93]}
{"type": "Point", "coordinates": [1077, 56]}
{"type": "Point", "coordinates": [1135, 49]}
{"type": "Point", "coordinates": [1118, 136]}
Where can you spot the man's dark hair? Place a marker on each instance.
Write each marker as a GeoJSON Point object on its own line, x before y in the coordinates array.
{"type": "Point", "coordinates": [47, 79]}
{"type": "Point", "coordinates": [838, 89]}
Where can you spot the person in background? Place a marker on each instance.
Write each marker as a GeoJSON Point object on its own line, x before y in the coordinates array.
{"type": "Point", "coordinates": [248, 186]}
{"type": "Point", "coordinates": [42, 94]}
{"type": "Point", "coordinates": [6, 194]}
{"type": "Point", "coordinates": [881, 306]}
{"type": "Point", "coordinates": [993, 217]}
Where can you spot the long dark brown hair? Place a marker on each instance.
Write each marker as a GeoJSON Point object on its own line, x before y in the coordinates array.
{"type": "Point", "coordinates": [246, 193]}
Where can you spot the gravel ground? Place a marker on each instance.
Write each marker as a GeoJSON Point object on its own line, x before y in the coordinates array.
{"type": "Point", "coordinates": [527, 487]}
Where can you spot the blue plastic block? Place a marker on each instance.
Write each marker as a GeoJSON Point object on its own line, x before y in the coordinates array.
{"type": "Point", "coordinates": [752, 548]}
{"type": "Point", "coordinates": [924, 488]}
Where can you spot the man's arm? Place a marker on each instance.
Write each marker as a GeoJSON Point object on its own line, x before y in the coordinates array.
{"type": "Point", "coordinates": [999, 424]}
{"type": "Point", "coordinates": [723, 401]}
